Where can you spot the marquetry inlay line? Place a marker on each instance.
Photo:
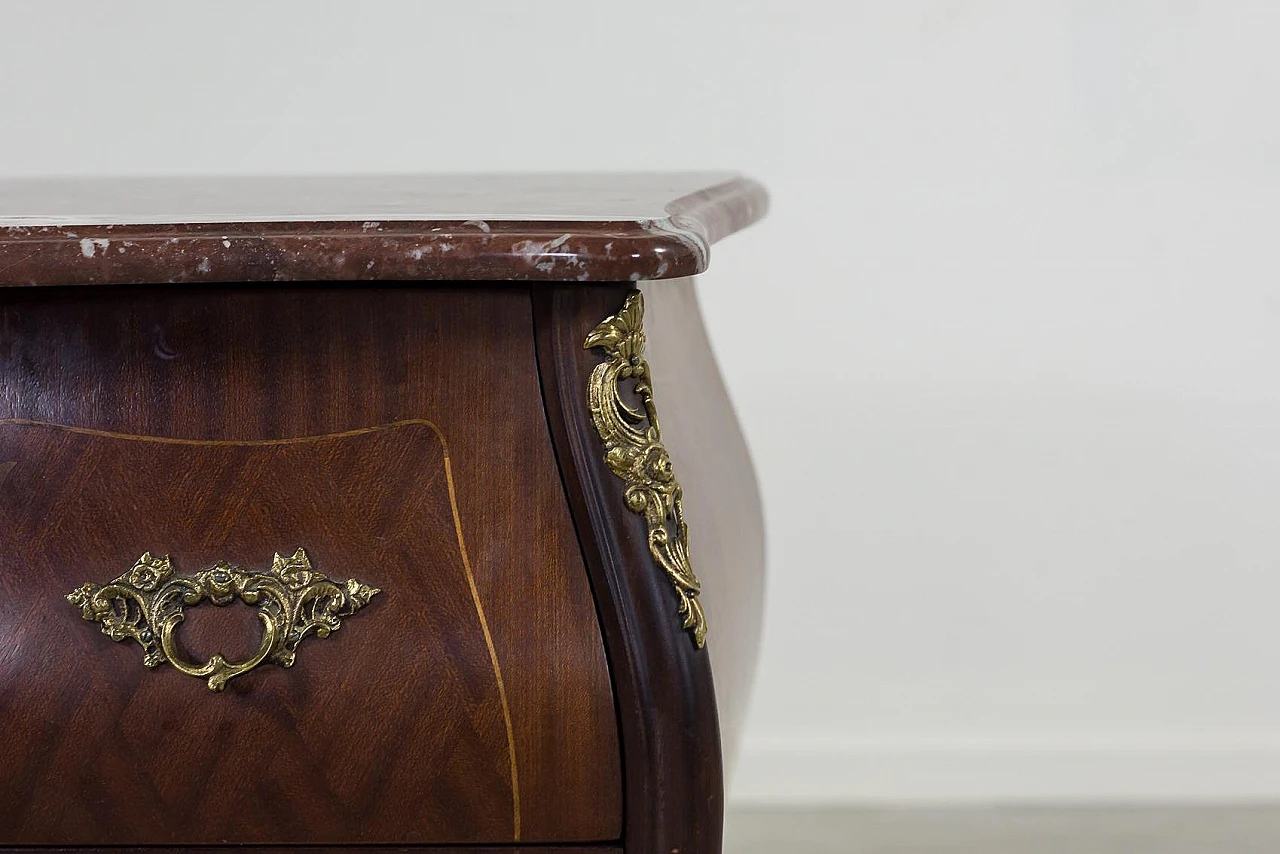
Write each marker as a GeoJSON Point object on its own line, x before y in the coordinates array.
{"type": "Point", "coordinates": [5, 468]}
{"type": "Point", "coordinates": [493, 652]}
{"type": "Point", "coordinates": [175, 440]}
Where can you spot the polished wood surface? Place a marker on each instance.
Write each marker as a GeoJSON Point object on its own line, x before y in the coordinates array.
{"type": "Point", "coordinates": [346, 746]}
{"type": "Point", "coordinates": [570, 227]}
{"type": "Point", "coordinates": [666, 699]}
{"type": "Point", "coordinates": [721, 498]}
{"type": "Point", "coordinates": [285, 755]}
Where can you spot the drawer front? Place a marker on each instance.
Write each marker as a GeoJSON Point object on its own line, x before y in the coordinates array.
{"type": "Point", "coordinates": [432, 711]}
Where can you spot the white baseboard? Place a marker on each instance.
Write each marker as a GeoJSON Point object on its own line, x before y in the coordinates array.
{"type": "Point", "coordinates": [841, 771]}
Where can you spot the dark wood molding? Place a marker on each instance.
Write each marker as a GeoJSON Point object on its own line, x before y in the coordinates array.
{"type": "Point", "coordinates": [672, 768]}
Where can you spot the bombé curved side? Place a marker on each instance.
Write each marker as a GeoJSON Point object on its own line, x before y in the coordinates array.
{"type": "Point", "coordinates": [670, 728]}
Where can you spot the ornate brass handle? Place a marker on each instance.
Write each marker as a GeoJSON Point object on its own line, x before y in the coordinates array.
{"type": "Point", "coordinates": [146, 604]}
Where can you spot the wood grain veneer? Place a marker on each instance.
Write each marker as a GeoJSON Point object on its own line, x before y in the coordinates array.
{"type": "Point", "coordinates": [103, 748]}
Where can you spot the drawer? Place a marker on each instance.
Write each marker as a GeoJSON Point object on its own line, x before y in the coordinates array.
{"type": "Point", "coordinates": [465, 701]}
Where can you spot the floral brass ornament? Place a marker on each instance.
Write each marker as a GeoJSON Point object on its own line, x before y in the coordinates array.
{"type": "Point", "coordinates": [634, 452]}
{"type": "Point", "coordinates": [146, 604]}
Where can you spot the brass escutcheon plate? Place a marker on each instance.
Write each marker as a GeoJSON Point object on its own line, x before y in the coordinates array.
{"type": "Point", "coordinates": [147, 604]}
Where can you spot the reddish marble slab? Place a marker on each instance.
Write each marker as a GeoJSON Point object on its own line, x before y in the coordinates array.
{"type": "Point", "coordinates": [548, 227]}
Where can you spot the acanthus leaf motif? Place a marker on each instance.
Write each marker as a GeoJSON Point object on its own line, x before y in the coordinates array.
{"type": "Point", "coordinates": [146, 604]}
{"type": "Point", "coordinates": [635, 454]}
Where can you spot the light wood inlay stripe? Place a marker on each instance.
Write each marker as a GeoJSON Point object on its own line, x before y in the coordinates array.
{"type": "Point", "coordinates": [493, 652]}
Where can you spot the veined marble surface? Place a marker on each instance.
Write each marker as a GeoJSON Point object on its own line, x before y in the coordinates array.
{"type": "Point", "coordinates": [519, 227]}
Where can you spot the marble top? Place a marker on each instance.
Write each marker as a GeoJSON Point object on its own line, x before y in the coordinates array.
{"type": "Point", "coordinates": [494, 227]}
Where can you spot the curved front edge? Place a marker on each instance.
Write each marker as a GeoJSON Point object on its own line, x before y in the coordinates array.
{"type": "Point", "coordinates": [670, 728]}
{"type": "Point", "coordinates": [721, 502]}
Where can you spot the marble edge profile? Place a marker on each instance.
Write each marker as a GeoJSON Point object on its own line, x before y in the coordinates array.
{"type": "Point", "coordinates": [472, 250]}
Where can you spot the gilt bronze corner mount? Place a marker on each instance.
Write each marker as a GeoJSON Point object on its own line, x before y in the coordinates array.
{"type": "Point", "coordinates": [634, 453]}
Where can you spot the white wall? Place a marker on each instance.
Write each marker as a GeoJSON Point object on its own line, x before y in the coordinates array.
{"type": "Point", "coordinates": [1006, 349]}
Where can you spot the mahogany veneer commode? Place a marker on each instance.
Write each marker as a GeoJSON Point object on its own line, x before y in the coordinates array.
{"type": "Point", "coordinates": [381, 512]}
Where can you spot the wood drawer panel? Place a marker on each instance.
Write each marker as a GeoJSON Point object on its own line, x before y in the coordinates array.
{"type": "Point", "coordinates": [398, 437]}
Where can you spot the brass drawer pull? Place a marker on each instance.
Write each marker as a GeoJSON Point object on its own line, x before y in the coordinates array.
{"type": "Point", "coordinates": [146, 604]}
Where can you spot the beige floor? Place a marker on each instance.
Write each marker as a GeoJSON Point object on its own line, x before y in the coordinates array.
{"type": "Point", "coordinates": [1040, 830]}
